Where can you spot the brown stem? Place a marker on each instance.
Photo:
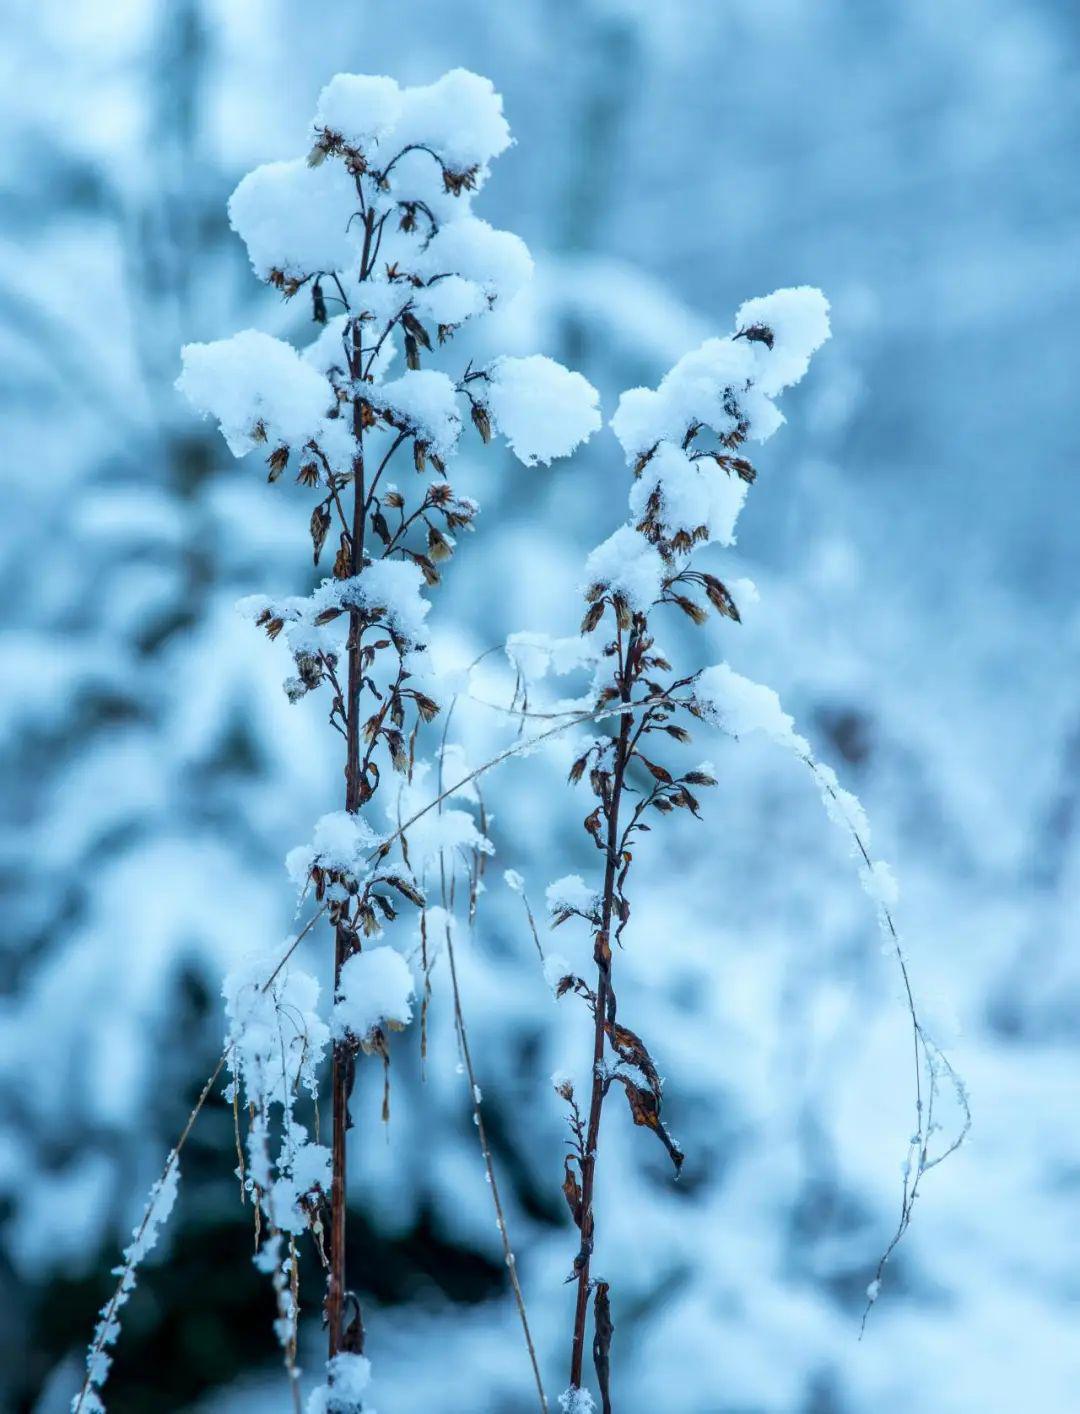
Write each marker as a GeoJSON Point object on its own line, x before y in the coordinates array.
{"type": "Point", "coordinates": [604, 999]}
{"type": "Point", "coordinates": [342, 1062]}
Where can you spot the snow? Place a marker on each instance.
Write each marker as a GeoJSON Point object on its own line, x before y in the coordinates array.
{"type": "Point", "coordinates": [799, 322]}
{"type": "Point", "coordinates": [739, 706]}
{"type": "Point", "coordinates": [459, 115]}
{"type": "Point", "coordinates": [571, 894]}
{"type": "Point", "coordinates": [159, 1206]}
{"type": "Point", "coordinates": [326, 353]}
{"type": "Point", "coordinates": [362, 109]}
{"type": "Point", "coordinates": [424, 401]}
{"type": "Point", "coordinates": [556, 968]}
{"type": "Point", "coordinates": [269, 1060]}
{"type": "Point", "coordinates": [295, 219]}
{"type": "Point", "coordinates": [450, 300]}
{"type": "Point", "coordinates": [576, 1401]}
{"type": "Point", "coordinates": [497, 261]}
{"type": "Point", "coordinates": [253, 379]}
{"type": "Point", "coordinates": [375, 989]}
{"type": "Point", "coordinates": [693, 494]}
{"type": "Point", "coordinates": [542, 409]}
{"type": "Point", "coordinates": [535, 655]}
{"type": "Point", "coordinates": [390, 589]}
{"type": "Point", "coordinates": [513, 880]}
{"type": "Point", "coordinates": [340, 842]}
{"type": "Point", "coordinates": [348, 1376]}
{"type": "Point", "coordinates": [726, 383]}
{"type": "Point", "coordinates": [308, 1172]}
{"type": "Point", "coordinates": [626, 565]}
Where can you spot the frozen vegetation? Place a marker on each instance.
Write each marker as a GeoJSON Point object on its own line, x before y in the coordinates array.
{"type": "Point", "coordinates": [914, 627]}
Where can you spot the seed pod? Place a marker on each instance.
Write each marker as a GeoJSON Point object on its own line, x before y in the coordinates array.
{"type": "Point", "coordinates": [593, 616]}
{"type": "Point", "coordinates": [320, 525]}
{"type": "Point", "coordinates": [277, 461]}
{"type": "Point", "coordinates": [439, 548]}
{"type": "Point", "coordinates": [416, 329]}
{"type": "Point", "coordinates": [481, 421]}
{"type": "Point", "coordinates": [343, 558]}
{"type": "Point", "coordinates": [419, 454]}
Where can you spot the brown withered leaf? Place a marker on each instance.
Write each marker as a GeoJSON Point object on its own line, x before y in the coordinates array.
{"type": "Point", "coordinates": [427, 569]}
{"type": "Point", "coordinates": [719, 597]}
{"type": "Point", "coordinates": [592, 617]}
{"type": "Point", "coordinates": [407, 888]}
{"type": "Point", "coordinates": [644, 459]}
{"type": "Point", "coordinates": [412, 353]}
{"type": "Point", "coordinates": [757, 334]}
{"type": "Point", "coordinates": [572, 1191]}
{"type": "Point", "coordinates": [385, 906]}
{"type": "Point", "coordinates": [439, 548]}
{"type": "Point", "coordinates": [416, 329]}
{"type": "Point", "coordinates": [692, 610]}
{"type": "Point", "coordinates": [744, 469]}
{"type": "Point", "coordinates": [481, 421]}
{"type": "Point", "coordinates": [320, 525]}
{"type": "Point", "coordinates": [343, 558]}
{"type": "Point", "coordinates": [426, 706]}
{"type": "Point", "coordinates": [603, 1330]}
{"type": "Point", "coordinates": [699, 778]}
{"type": "Point", "coordinates": [659, 773]}
{"type": "Point", "coordinates": [327, 616]}
{"type": "Point", "coordinates": [633, 1051]}
{"type": "Point", "coordinates": [577, 770]}
{"type": "Point", "coordinates": [645, 1111]}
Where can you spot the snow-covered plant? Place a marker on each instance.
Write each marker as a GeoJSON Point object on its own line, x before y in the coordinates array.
{"type": "Point", "coordinates": [685, 441]}
{"type": "Point", "coordinates": [375, 227]}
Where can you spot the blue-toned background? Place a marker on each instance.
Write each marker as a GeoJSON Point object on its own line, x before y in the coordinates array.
{"type": "Point", "coordinates": [913, 536]}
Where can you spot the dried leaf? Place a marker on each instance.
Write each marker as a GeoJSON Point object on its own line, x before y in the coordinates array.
{"type": "Point", "coordinates": [407, 888]}
{"type": "Point", "coordinates": [320, 525]}
{"type": "Point", "coordinates": [592, 617]}
{"type": "Point", "coordinates": [481, 421]}
{"type": "Point", "coordinates": [645, 1111]}
{"type": "Point", "coordinates": [602, 1333]}
{"type": "Point", "coordinates": [572, 1191]}
{"type": "Point", "coordinates": [416, 329]}
{"type": "Point", "coordinates": [659, 773]}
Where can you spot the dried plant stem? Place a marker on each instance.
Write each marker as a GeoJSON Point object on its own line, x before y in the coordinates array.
{"type": "Point", "coordinates": [489, 1165]}
{"type": "Point", "coordinates": [475, 1096]}
{"type": "Point", "coordinates": [604, 1002]}
{"type": "Point", "coordinates": [108, 1316]}
{"type": "Point", "coordinates": [343, 1061]}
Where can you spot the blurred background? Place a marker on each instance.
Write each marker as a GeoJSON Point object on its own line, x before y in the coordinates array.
{"type": "Point", "coordinates": [913, 537]}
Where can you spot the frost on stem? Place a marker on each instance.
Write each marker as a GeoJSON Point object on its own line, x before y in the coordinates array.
{"type": "Point", "coordinates": [144, 1238]}
{"type": "Point", "coordinates": [376, 229]}
{"type": "Point", "coordinates": [348, 1377]}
